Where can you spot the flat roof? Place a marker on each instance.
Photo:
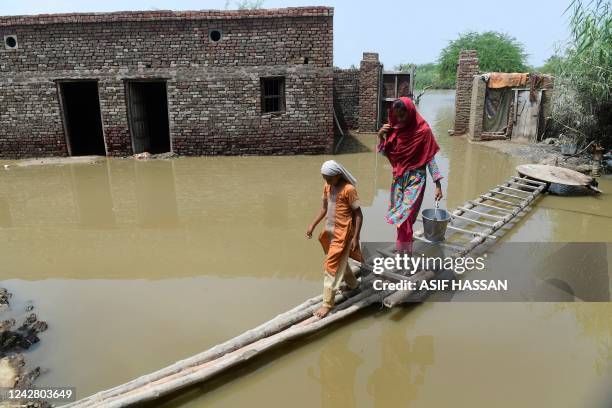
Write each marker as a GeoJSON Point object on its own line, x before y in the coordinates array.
{"type": "Point", "coordinates": [164, 15]}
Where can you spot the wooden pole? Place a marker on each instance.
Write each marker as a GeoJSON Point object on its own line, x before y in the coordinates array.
{"type": "Point", "coordinates": [149, 390]}
{"type": "Point", "coordinates": [284, 320]}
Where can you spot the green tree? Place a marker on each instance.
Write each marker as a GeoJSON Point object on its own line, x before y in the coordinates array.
{"type": "Point", "coordinates": [551, 66]}
{"type": "Point", "coordinates": [497, 52]}
{"type": "Point", "coordinates": [426, 75]}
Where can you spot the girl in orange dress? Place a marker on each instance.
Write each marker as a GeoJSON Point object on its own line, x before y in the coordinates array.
{"type": "Point", "coordinates": [340, 237]}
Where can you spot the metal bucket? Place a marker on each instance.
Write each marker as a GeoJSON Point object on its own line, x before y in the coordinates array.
{"type": "Point", "coordinates": [434, 223]}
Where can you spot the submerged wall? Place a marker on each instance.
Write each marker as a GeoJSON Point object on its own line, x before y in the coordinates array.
{"type": "Point", "coordinates": [357, 94]}
{"type": "Point", "coordinates": [346, 97]}
{"type": "Point", "coordinates": [370, 78]}
{"type": "Point", "coordinates": [213, 87]}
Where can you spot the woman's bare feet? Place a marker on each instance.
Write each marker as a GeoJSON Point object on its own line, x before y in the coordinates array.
{"type": "Point", "coordinates": [322, 311]}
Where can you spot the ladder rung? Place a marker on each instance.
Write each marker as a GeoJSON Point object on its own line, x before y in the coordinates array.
{"type": "Point", "coordinates": [523, 185]}
{"type": "Point", "coordinates": [506, 194]}
{"type": "Point", "coordinates": [541, 183]}
{"type": "Point", "coordinates": [472, 220]}
{"type": "Point", "coordinates": [495, 217]}
{"type": "Point", "coordinates": [418, 235]}
{"type": "Point", "coordinates": [516, 189]}
{"type": "Point", "coordinates": [499, 200]}
{"type": "Point", "coordinates": [491, 207]}
{"type": "Point", "coordinates": [471, 232]}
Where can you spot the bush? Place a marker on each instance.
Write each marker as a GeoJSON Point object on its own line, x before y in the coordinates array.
{"type": "Point", "coordinates": [582, 104]}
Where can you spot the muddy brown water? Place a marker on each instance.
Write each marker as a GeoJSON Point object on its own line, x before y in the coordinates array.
{"type": "Point", "coordinates": [137, 264]}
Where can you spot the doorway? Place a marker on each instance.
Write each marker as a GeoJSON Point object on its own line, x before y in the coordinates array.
{"type": "Point", "coordinates": [148, 116]}
{"type": "Point", "coordinates": [82, 119]}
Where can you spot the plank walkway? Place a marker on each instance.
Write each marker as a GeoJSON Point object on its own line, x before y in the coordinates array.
{"type": "Point", "coordinates": [481, 218]}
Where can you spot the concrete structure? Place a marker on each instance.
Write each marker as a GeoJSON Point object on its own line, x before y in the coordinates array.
{"type": "Point", "coordinates": [204, 82]}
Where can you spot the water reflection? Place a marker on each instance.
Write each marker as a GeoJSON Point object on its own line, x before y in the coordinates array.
{"type": "Point", "coordinates": [402, 358]}
{"type": "Point", "coordinates": [5, 213]}
{"type": "Point", "coordinates": [156, 194]}
{"type": "Point", "coordinates": [92, 196]}
{"type": "Point", "coordinates": [337, 372]}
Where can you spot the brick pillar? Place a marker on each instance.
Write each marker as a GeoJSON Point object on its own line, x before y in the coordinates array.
{"type": "Point", "coordinates": [467, 67]}
{"type": "Point", "coordinates": [479, 90]}
{"type": "Point", "coordinates": [369, 83]}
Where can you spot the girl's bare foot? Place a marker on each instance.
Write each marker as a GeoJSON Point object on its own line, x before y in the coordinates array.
{"type": "Point", "coordinates": [322, 312]}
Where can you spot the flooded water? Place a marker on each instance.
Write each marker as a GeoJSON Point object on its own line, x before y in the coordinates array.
{"type": "Point", "coordinates": [137, 264]}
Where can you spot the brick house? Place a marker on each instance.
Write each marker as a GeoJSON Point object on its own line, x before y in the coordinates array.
{"type": "Point", "coordinates": [196, 83]}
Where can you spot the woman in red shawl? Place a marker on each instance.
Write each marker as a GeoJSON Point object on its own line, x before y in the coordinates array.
{"type": "Point", "coordinates": [410, 146]}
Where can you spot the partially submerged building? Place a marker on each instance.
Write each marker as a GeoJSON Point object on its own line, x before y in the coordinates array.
{"type": "Point", "coordinates": [500, 105]}
{"type": "Point", "coordinates": [192, 82]}
{"type": "Point", "coordinates": [204, 82]}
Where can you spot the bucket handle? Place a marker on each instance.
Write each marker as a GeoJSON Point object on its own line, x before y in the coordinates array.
{"type": "Point", "coordinates": [437, 205]}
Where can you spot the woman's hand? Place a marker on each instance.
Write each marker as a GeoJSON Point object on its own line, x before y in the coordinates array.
{"type": "Point", "coordinates": [354, 243]}
{"type": "Point", "coordinates": [309, 231]}
{"type": "Point", "coordinates": [438, 192]}
{"type": "Point", "coordinates": [384, 130]}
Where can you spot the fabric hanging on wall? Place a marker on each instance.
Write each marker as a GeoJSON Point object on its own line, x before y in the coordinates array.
{"type": "Point", "coordinates": [506, 79]}
{"type": "Point", "coordinates": [497, 109]}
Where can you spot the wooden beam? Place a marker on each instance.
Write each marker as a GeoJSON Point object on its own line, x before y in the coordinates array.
{"type": "Point", "coordinates": [151, 390]}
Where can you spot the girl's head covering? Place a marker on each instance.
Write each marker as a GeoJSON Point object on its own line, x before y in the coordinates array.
{"type": "Point", "coordinates": [410, 144]}
{"type": "Point", "coordinates": [333, 168]}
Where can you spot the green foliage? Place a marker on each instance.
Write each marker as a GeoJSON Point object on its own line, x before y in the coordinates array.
{"type": "Point", "coordinates": [552, 66]}
{"type": "Point", "coordinates": [585, 73]}
{"type": "Point", "coordinates": [497, 52]}
{"type": "Point", "coordinates": [426, 75]}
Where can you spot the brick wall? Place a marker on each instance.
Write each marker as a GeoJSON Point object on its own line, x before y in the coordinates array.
{"type": "Point", "coordinates": [30, 121]}
{"type": "Point", "coordinates": [467, 67]}
{"type": "Point", "coordinates": [346, 97]}
{"type": "Point", "coordinates": [369, 84]}
{"type": "Point", "coordinates": [213, 88]}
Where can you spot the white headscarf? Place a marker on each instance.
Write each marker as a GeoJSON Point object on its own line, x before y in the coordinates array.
{"type": "Point", "coordinates": [332, 168]}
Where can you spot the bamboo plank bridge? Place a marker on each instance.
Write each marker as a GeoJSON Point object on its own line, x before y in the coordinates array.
{"type": "Point", "coordinates": [486, 215]}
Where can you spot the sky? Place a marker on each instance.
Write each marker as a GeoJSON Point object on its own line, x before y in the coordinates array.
{"type": "Point", "coordinates": [400, 31]}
